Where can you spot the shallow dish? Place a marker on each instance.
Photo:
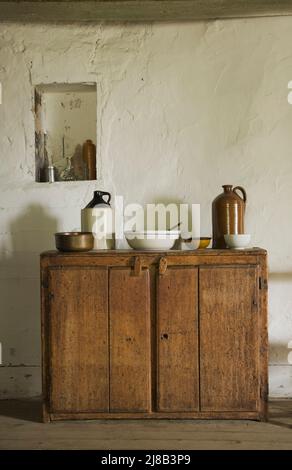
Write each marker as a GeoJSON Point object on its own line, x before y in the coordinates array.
{"type": "Point", "coordinates": [152, 239]}
{"type": "Point", "coordinates": [74, 241]}
{"type": "Point", "coordinates": [237, 241]}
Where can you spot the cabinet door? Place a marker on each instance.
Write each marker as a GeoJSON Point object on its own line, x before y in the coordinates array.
{"type": "Point", "coordinates": [177, 336]}
{"type": "Point", "coordinates": [129, 341]}
{"type": "Point", "coordinates": [229, 335]}
{"type": "Point", "coordinates": [78, 339]}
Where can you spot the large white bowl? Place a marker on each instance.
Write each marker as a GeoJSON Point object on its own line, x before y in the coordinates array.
{"type": "Point", "coordinates": [237, 241]}
{"type": "Point", "coordinates": [152, 239]}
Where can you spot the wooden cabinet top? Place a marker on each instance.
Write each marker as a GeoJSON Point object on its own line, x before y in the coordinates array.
{"type": "Point", "coordinates": [144, 259]}
{"type": "Point", "coordinates": [169, 253]}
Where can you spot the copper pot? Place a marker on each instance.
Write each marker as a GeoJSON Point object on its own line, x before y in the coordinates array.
{"type": "Point", "coordinates": [74, 241]}
{"type": "Point", "coordinates": [228, 214]}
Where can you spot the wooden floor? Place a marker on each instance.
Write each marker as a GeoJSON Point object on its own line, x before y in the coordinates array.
{"type": "Point", "coordinates": [21, 428]}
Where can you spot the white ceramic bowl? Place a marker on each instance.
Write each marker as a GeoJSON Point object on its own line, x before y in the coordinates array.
{"type": "Point", "coordinates": [152, 239]}
{"type": "Point", "coordinates": [238, 241]}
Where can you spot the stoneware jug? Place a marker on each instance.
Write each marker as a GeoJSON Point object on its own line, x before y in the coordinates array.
{"type": "Point", "coordinates": [89, 158]}
{"type": "Point", "coordinates": [228, 214]}
{"type": "Point", "coordinates": [97, 217]}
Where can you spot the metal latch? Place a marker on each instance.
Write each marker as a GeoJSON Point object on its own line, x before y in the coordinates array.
{"type": "Point", "coordinates": [162, 266]}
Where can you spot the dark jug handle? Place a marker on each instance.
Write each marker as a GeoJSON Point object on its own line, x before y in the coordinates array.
{"type": "Point", "coordinates": [242, 190]}
{"type": "Point", "coordinates": [103, 193]}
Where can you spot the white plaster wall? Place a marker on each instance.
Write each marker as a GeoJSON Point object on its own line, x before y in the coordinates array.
{"type": "Point", "coordinates": [182, 109]}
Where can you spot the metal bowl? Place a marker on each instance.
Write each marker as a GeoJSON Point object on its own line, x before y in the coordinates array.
{"type": "Point", "coordinates": [74, 241]}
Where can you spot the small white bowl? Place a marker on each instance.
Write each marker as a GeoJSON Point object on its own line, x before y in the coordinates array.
{"type": "Point", "coordinates": [152, 239]}
{"type": "Point", "coordinates": [237, 241]}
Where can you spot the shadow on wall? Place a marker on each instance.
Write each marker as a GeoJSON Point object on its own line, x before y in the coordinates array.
{"type": "Point", "coordinates": [24, 409]}
{"type": "Point", "coordinates": [26, 236]}
{"type": "Point", "coordinates": [33, 231]}
{"type": "Point", "coordinates": [280, 277]}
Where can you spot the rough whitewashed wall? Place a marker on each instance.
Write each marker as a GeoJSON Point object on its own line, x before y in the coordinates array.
{"type": "Point", "coordinates": [182, 109]}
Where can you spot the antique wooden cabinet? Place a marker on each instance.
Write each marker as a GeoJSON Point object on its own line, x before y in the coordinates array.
{"type": "Point", "coordinates": [178, 334]}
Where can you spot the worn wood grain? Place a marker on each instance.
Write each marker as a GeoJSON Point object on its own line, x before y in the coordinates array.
{"type": "Point", "coordinates": [153, 334]}
{"type": "Point", "coordinates": [194, 415]}
{"type": "Point", "coordinates": [139, 10]}
{"type": "Point", "coordinates": [177, 338]}
{"type": "Point", "coordinates": [227, 316]}
{"type": "Point", "coordinates": [125, 258]}
{"type": "Point", "coordinates": [45, 338]}
{"type": "Point", "coordinates": [78, 319]}
{"type": "Point", "coordinates": [130, 366]}
{"type": "Point", "coordinates": [264, 343]}
{"type": "Point", "coordinates": [229, 345]}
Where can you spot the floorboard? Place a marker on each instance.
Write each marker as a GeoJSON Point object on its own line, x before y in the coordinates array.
{"type": "Point", "coordinates": [21, 428]}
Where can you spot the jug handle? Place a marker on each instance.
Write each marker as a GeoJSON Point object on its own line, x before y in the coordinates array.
{"type": "Point", "coordinates": [106, 194]}
{"type": "Point", "coordinates": [239, 188]}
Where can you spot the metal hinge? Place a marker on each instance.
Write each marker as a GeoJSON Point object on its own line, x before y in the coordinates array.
{"type": "Point", "coordinates": [263, 283]}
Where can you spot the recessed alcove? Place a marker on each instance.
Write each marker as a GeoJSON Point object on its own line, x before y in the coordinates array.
{"type": "Point", "coordinates": [65, 118]}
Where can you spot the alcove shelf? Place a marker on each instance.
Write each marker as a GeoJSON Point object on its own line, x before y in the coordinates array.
{"type": "Point", "coordinates": [65, 118]}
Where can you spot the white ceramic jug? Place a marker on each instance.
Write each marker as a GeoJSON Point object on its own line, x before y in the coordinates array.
{"type": "Point", "coordinates": [97, 217]}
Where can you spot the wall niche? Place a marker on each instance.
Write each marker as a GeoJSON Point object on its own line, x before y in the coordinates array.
{"type": "Point", "coordinates": [65, 132]}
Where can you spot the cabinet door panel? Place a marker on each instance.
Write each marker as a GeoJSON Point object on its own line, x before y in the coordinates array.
{"type": "Point", "coordinates": [129, 341]}
{"type": "Point", "coordinates": [229, 335]}
{"type": "Point", "coordinates": [177, 331]}
{"type": "Point", "coordinates": [78, 339]}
